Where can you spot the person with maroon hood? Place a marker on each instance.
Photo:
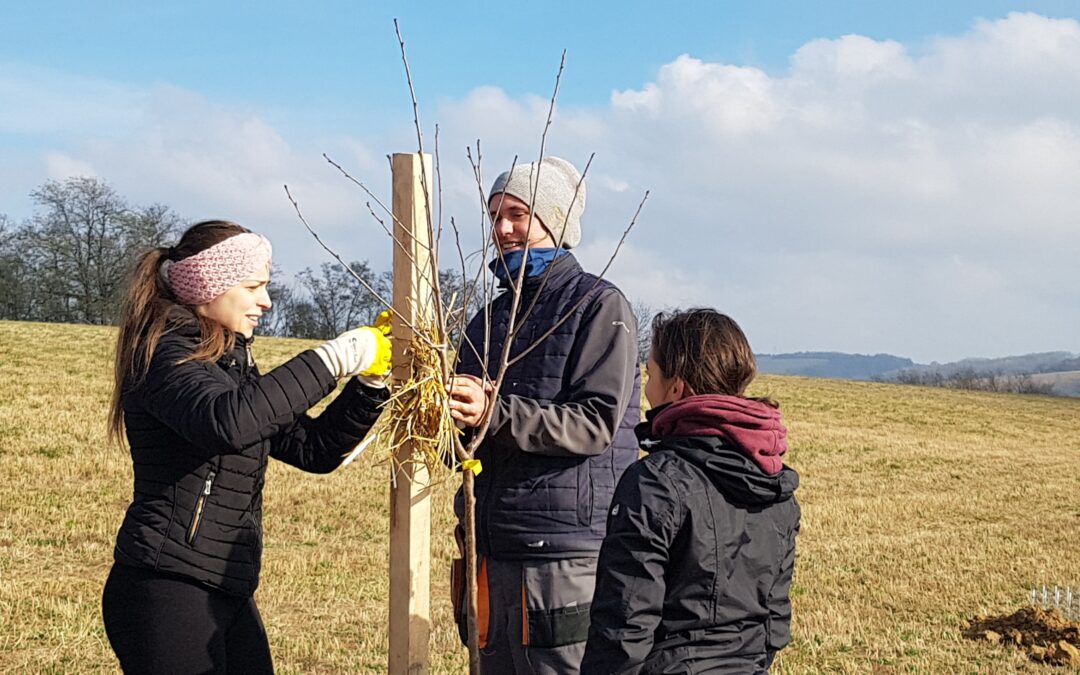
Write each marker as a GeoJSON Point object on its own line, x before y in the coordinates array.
{"type": "Point", "coordinates": [696, 567]}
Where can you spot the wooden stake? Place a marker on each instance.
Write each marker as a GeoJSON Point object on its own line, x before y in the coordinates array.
{"type": "Point", "coordinates": [410, 503]}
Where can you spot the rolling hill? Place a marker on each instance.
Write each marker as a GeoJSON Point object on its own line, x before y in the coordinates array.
{"type": "Point", "coordinates": [1054, 368]}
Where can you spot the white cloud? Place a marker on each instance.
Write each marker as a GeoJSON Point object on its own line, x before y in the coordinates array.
{"type": "Point", "coordinates": [852, 58]}
{"type": "Point", "coordinates": [871, 198]}
{"type": "Point", "coordinates": [42, 101]}
{"type": "Point", "coordinates": [60, 166]}
{"type": "Point", "coordinates": [205, 160]}
{"type": "Point", "coordinates": [718, 98]}
{"type": "Point", "coordinates": [876, 196]}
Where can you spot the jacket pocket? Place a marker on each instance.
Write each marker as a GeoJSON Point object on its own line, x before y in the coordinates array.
{"type": "Point", "coordinates": [557, 599]}
{"type": "Point", "coordinates": [200, 505]}
{"type": "Point", "coordinates": [584, 494]}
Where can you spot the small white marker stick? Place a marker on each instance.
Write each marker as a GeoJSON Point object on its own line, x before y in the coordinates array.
{"type": "Point", "coordinates": [358, 449]}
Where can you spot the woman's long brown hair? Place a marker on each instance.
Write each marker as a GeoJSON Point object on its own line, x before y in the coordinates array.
{"type": "Point", "coordinates": [150, 310]}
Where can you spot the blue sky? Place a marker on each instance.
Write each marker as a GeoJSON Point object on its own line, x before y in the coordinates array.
{"type": "Point", "coordinates": [857, 176]}
{"type": "Point", "coordinates": [305, 56]}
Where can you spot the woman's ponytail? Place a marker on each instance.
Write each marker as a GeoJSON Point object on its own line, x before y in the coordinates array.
{"type": "Point", "coordinates": [142, 321]}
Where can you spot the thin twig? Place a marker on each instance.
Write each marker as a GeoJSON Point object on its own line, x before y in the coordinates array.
{"type": "Point", "coordinates": [424, 274]}
{"type": "Point", "coordinates": [350, 270]}
{"type": "Point", "coordinates": [534, 181]}
{"type": "Point", "coordinates": [390, 233]}
{"type": "Point", "coordinates": [468, 291]}
{"type": "Point", "coordinates": [518, 284]}
{"type": "Point", "coordinates": [412, 90]}
{"type": "Point", "coordinates": [514, 287]}
{"type": "Point", "coordinates": [588, 293]}
{"type": "Point", "coordinates": [438, 186]}
{"type": "Point", "coordinates": [480, 282]}
{"type": "Point", "coordinates": [369, 193]}
{"type": "Point", "coordinates": [534, 186]}
{"type": "Point", "coordinates": [433, 246]}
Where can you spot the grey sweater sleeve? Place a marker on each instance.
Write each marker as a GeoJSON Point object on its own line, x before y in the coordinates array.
{"type": "Point", "coordinates": [599, 384]}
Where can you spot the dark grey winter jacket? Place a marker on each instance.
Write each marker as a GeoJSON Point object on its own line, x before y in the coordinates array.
{"type": "Point", "coordinates": [200, 435]}
{"type": "Point", "coordinates": [696, 568]}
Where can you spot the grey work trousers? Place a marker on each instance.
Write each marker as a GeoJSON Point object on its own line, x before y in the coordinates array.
{"type": "Point", "coordinates": [538, 615]}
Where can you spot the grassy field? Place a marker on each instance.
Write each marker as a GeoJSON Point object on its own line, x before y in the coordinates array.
{"type": "Point", "coordinates": [921, 507]}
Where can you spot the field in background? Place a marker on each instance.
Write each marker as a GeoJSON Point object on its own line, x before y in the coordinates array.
{"type": "Point", "coordinates": [921, 507]}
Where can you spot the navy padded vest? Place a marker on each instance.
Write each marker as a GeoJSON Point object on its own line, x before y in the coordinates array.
{"type": "Point", "coordinates": [540, 506]}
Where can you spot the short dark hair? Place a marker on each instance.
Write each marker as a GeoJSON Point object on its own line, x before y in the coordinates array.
{"type": "Point", "coordinates": [706, 349]}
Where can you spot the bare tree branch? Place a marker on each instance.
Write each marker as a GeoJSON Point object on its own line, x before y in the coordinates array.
{"type": "Point", "coordinates": [504, 358]}
{"type": "Point", "coordinates": [586, 297]}
{"type": "Point", "coordinates": [368, 192]}
{"type": "Point", "coordinates": [363, 282]}
{"type": "Point", "coordinates": [425, 273]}
{"type": "Point", "coordinates": [433, 251]}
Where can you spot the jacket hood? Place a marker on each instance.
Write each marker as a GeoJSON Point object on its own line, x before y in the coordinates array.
{"type": "Point", "coordinates": [736, 442]}
{"type": "Point", "coordinates": [752, 427]}
{"type": "Point", "coordinates": [733, 473]}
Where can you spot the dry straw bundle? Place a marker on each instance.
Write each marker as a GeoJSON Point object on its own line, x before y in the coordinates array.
{"type": "Point", "coordinates": [418, 412]}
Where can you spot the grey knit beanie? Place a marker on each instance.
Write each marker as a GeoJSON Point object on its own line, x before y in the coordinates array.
{"type": "Point", "coordinates": [558, 208]}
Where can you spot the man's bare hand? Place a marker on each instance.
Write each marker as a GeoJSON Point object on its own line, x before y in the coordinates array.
{"type": "Point", "coordinates": [470, 398]}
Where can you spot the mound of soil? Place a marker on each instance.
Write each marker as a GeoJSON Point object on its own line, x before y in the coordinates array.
{"type": "Point", "coordinates": [1046, 635]}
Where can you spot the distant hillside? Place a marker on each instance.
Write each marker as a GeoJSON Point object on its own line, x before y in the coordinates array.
{"type": "Point", "coordinates": [833, 364]}
{"type": "Point", "coordinates": [1060, 369]}
{"type": "Point", "coordinates": [1041, 362]}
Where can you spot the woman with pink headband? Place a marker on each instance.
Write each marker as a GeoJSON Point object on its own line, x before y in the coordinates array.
{"type": "Point", "coordinates": [202, 423]}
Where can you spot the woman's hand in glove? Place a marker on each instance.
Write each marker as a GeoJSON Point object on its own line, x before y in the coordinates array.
{"type": "Point", "coordinates": [365, 352]}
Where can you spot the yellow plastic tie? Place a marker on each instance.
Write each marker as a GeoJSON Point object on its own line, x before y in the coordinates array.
{"type": "Point", "coordinates": [473, 465]}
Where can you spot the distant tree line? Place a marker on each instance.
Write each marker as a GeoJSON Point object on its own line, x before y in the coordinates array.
{"type": "Point", "coordinates": [1062, 366]}
{"type": "Point", "coordinates": [70, 261]}
{"type": "Point", "coordinates": [327, 301]}
{"type": "Point", "coordinates": [969, 378]}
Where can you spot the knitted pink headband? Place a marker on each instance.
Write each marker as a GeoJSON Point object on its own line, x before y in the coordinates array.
{"type": "Point", "coordinates": [198, 279]}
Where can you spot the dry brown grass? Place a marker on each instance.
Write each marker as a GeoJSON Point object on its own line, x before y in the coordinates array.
{"type": "Point", "coordinates": [921, 507]}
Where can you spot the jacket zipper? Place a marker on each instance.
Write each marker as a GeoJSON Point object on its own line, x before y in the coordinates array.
{"type": "Point", "coordinates": [199, 504]}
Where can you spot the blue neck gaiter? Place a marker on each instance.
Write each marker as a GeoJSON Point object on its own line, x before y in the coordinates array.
{"type": "Point", "coordinates": [539, 259]}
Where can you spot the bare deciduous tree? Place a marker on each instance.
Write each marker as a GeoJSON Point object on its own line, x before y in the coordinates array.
{"type": "Point", "coordinates": [338, 302]}
{"type": "Point", "coordinates": [643, 314]}
{"type": "Point", "coordinates": [81, 243]}
{"type": "Point", "coordinates": [478, 292]}
{"type": "Point", "coordinates": [18, 290]}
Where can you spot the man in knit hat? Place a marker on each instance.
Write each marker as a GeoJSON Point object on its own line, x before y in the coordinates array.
{"type": "Point", "coordinates": [561, 431]}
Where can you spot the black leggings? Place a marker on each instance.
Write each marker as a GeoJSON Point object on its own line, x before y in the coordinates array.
{"type": "Point", "coordinates": [168, 624]}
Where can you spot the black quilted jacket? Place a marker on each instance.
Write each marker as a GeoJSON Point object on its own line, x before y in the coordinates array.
{"type": "Point", "coordinates": [201, 434]}
{"type": "Point", "coordinates": [695, 572]}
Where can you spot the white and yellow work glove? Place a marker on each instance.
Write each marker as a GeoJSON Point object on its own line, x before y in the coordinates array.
{"type": "Point", "coordinates": [365, 352]}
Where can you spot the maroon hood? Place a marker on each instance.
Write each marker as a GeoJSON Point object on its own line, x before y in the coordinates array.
{"type": "Point", "coordinates": [752, 427]}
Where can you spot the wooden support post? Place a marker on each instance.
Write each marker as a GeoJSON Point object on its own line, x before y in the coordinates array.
{"type": "Point", "coordinates": [410, 503]}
